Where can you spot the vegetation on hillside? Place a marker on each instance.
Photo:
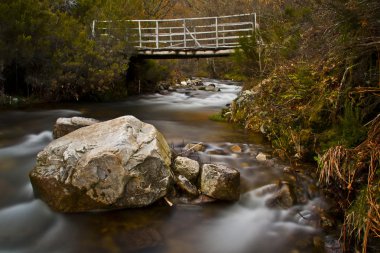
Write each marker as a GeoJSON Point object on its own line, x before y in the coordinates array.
{"type": "Point", "coordinates": [314, 90]}
{"type": "Point", "coordinates": [46, 49]}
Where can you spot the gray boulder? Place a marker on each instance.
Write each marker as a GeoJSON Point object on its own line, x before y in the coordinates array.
{"type": "Point", "coordinates": [64, 126]}
{"type": "Point", "coordinates": [121, 163]}
{"type": "Point", "coordinates": [220, 182]}
{"type": "Point", "coordinates": [186, 167]}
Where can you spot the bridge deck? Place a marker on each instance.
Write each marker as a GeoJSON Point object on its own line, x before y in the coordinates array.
{"type": "Point", "coordinates": [177, 38]}
{"type": "Point", "coordinates": [185, 53]}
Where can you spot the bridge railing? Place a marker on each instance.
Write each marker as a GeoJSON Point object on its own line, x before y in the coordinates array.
{"type": "Point", "coordinates": [187, 33]}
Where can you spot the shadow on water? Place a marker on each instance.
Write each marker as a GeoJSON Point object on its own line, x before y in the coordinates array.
{"type": "Point", "coordinates": [28, 225]}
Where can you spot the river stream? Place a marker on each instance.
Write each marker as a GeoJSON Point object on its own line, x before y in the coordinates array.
{"type": "Point", "coordinates": [27, 225]}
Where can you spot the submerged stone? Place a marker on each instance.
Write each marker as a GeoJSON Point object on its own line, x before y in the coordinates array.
{"type": "Point", "coordinates": [281, 198]}
{"type": "Point", "coordinates": [121, 163]}
{"type": "Point", "coordinates": [195, 147]}
{"type": "Point", "coordinates": [185, 185]}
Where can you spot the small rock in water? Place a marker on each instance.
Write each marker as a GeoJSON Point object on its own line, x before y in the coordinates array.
{"type": "Point", "coordinates": [282, 198]}
{"type": "Point", "coordinates": [211, 87]}
{"type": "Point", "coordinates": [185, 185]}
{"type": "Point", "coordinates": [309, 218]}
{"type": "Point", "coordinates": [220, 182]}
{"type": "Point", "coordinates": [186, 167]}
{"type": "Point", "coordinates": [195, 147]}
{"type": "Point", "coordinates": [164, 92]}
{"type": "Point", "coordinates": [262, 157]}
{"type": "Point", "coordinates": [217, 152]}
{"type": "Point", "coordinates": [235, 149]}
{"type": "Point", "coordinates": [64, 126]}
{"type": "Point", "coordinates": [332, 245]}
{"type": "Point", "coordinates": [198, 82]}
{"type": "Point", "coordinates": [202, 199]}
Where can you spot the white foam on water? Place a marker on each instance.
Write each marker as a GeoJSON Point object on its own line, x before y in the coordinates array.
{"type": "Point", "coordinates": [33, 143]}
{"type": "Point", "coordinates": [250, 226]}
{"type": "Point", "coordinates": [195, 99]}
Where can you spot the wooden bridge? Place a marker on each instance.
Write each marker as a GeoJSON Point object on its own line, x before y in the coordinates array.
{"type": "Point", "coordinates": [180, 38]}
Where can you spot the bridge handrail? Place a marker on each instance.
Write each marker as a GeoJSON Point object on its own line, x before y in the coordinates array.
{"type": "Point", "coordinates": [178, 19]}
{"type": "Point", "coordinates": [185, 34]}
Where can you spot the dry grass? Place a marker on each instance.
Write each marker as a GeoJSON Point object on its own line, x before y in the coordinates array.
{"type": "Point", "coordinates": [356, 172]}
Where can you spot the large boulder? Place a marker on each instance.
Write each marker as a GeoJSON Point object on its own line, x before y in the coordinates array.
{"type": "Point", "coordinates": [121, 163]}
{"type": "Point", "coordinates": [220, 182]}
{"type": "Point", "coordinates": [64, 126]}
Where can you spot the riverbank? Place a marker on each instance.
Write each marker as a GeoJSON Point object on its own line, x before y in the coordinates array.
{"type": "Point", "coordinates": [345, 152]}
{"type": "Point", "coordinates": [314, 91]}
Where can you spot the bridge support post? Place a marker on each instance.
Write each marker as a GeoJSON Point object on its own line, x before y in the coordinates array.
{"type": "Point", "coordinates": [184, 34]}
{"type": "Point", "coordinates": [157, 35]}
{"type": "Point", "coordinates": [171, 37]}
{"type": "Point", "coordinates": [216, 33]}
{"type": "Point", "coordinates": [140, 40]}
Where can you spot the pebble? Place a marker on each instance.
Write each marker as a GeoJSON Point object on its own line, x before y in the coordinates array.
{"type": "Point", "coordinates": [262, 156]}
{"type": "Point", "coordinates": [235, 149]}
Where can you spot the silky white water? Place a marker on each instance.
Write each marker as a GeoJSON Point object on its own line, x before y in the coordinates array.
{"type": "Point", "coordinates": [28, 225]}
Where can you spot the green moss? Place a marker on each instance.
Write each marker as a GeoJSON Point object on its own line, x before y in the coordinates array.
{"type": "Point", "coordinates": [217, 117]}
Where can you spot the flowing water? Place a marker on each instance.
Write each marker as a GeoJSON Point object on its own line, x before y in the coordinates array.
{"type": "Point", "coordinates": [28, 225]}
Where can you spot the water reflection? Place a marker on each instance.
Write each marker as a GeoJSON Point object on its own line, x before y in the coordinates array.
{"type": "Point", "coordinates": [27, 225]}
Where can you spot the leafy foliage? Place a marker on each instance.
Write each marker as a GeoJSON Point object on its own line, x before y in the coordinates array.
{"type": "Point", "coordinates": [49, 43]}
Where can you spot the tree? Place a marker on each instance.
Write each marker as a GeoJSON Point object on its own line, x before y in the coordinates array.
{"type": "Point", "coordinates": [158, 8]}
{"type": "Point", "coordinates": [46, 48]}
